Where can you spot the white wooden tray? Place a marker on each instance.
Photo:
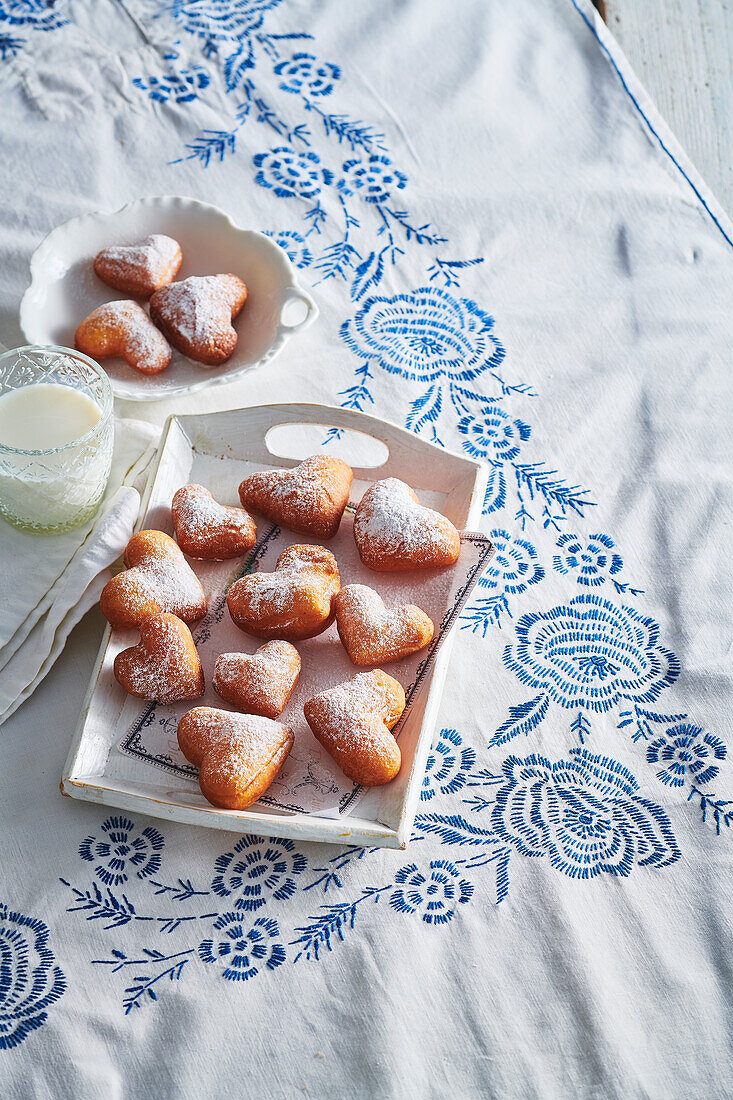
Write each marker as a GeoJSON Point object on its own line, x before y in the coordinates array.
{"type": "Point", "coordinates": [220, 449]}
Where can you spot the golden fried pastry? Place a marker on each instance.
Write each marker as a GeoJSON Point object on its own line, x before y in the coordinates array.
{"type": "Point", "coordinates": [394, 533]}
{"type": "Point", "coordinates": [293, 602]}
{"type": "Point", "coordinates": [209, 530]}
{"type": "Point", "coordinates": [157, 578]}
{"type": "Point", "coordinates": [164, 665]}
{"type": "Point", "coordinates": [373, 634]}
{"type": "Point", "coordinates": [196, 315]}
{"type": "Point", "coordinates": [124, 330]}
{"type": "Point", "coordinates": [309, 499]}
{"type": "Point", "coordinates": [353, 721]}
{"type": "Point", "coordinates": [139, 269]}
{"type": "Point", "coordinates": [261, 683]}
{"type": "Point", "coordinates": [238, 755]}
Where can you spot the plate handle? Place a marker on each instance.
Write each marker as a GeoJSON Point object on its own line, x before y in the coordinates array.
{"type": "Point", "coordinates": [291, 295]}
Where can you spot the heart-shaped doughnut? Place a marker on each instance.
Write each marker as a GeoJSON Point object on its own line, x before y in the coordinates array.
{"type": "Point", "coordinates": [124, 330]}
{"type": "Point", "coordinates": [293, 602]}
{"type": "Point", "coordinates": [260, 683]}
{"type": "Point", "coordinates": [238, 755]}
{"type": "Point", "coordinates": [139, 269]}
{"type": "Point", "coordinates": [309, 499]}
{"type": "Point", "coordinates": [209, 530]}
{"type": "Point", "coordinates": [353, 721]}
{"type": "Point", "coordinates": [196, 315]}
{"type": "Point", "coordinates": [164, 665]}
{"type": "Point", "coordinates": [157, 578]}
{"type": "Point", "coordinates": [394, 533]}
{"type": "Point", "coordinates": [372, 633]}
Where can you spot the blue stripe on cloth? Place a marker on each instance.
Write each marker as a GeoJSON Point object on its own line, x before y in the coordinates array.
{"type": "Point", "coordinates": [646, 118]}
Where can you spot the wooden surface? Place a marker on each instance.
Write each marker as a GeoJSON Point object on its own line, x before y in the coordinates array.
{"type": "Point", "coordinates": [682, 51]}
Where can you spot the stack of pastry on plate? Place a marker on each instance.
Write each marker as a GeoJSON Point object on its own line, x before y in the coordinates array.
{"type": "Point", "coordinates": [239, 753]}
{"type": "Point", "coordinates": [195, 315]}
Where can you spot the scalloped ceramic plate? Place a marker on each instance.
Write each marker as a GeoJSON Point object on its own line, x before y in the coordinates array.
{"type": "Point", "coordinates": [64, 288]}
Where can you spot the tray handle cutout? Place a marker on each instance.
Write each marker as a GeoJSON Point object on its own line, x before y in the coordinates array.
{"type": "Point", "coordinates": [400, 453]}
{"type": "Point", "coordinates": [299, 440]}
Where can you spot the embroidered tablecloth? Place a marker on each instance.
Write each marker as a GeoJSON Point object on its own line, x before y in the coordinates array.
{"type": "Point", "coordinates": [512, 258]}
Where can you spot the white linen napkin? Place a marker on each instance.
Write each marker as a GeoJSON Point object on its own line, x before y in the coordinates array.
{"type": "Point", "coordinates": [50, 582]}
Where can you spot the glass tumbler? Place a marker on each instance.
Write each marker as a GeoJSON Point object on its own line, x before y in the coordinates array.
{"type": "Point", "coordinates": [54, 489]}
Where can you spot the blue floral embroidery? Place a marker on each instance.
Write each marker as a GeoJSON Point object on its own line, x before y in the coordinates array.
{"type": "Point", "coordinates": [258, 869]}
{"type": "Point", "coordinates": [29, 981]}
{"type": "Point", "coordinates": [514, 567]}
{"type": "Point", "coordinates": [304, 73]}
{"type": "Point", "coordinates": [289, 173]}
{"type": "Point", "coordinates": [686, 752]}
{"type": "Point", "coordinates": [491, 430]}
{"type": "Point", "coordinates": [457, 328]}
{"type": "Point", "coordinates": [331, 923]}
{"type": "Point", "coordinates": [523, 717]}
{"type": "Point", "coordinates": [511, 571]}
{"type": "Point", "coordinates": [425, 335]}
{"type": "Point", "coordinates": [447, 766]}
{"type": "Point", "coordinates": [221, 19]}
{"type": "Point", "coordinates": [43, 15]}
{"type": "Point", "coordinates": [592, 558]}
{"type": "Point", "coordinates": [372, 178]}
{"type": "Point", "coordinates": [153, 961]}
{"type": "Point", "coordinates": [294, 245]}
{"type": "Point", "coordinates": [40, 15]}
{"type": "Point", "coordinates": [180, 85]}
{"type": "Point", "coordinates": [244, 951]}
{"type": "Point", "coordinates": [123, 850]}
{"type": "Point", "coordinates": [585, 815]}
{"type": "Point", "coordinates": [433, 893]}
{"type": "Point", "coordinates": [591, 653]}
{"type": "Point", "coordinates": [10, 46]}
{"type": "Point", "coordinates": [438, 337]}
{"type": "Point", "coordinates": [719, 809]}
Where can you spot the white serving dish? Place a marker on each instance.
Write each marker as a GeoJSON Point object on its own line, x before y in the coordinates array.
{"type": "Point", "coordinates": [64, 288]}
{"type": "Point", "coordinates": [96, 771]}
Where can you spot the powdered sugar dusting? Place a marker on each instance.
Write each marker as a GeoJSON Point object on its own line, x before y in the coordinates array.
{"type": "Point", "coordinates": [196, 306]}
{"type": "Point", "coordinates": [268, 593]}
{"type": "Point", "coordinates": [348, 711]}
{"type": "Point", "coordinates": [123, 328]}
{"type": "Point", "coordinates": [310, 780]}
{"type": "Point", "coordinates": [305, 575]}
{"type": "Point", "coordinates": [309, 498]}
{"type": "Point", "coordinates": [374, 633]}
{"type": "Point", "coordinates": [152, 263]}
{"type": "Point", "coordinates": [262, 681]}
{"type": "Point", "coordinates": [273, 662]}
{"type": "Point", "coordinates": [165, 665]}
{"type": "Point", "coordinates": [302, 487]}
{"type": "Point", "coordinates": [251, 739]}
{"type": "Point", "coordinates": [388, 521]}
{"type": "Point", "coordinates": [208, 529]}
{"type": "Point", "coordinates": [169, 580]}
{"type": "Point", "coordinates": [369, 608]}
{"type": "Point", "coordinates": [197, 510]}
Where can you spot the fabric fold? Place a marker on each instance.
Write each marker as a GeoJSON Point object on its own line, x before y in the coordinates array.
{"type": "Point", "coordinates": [52, 582]}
